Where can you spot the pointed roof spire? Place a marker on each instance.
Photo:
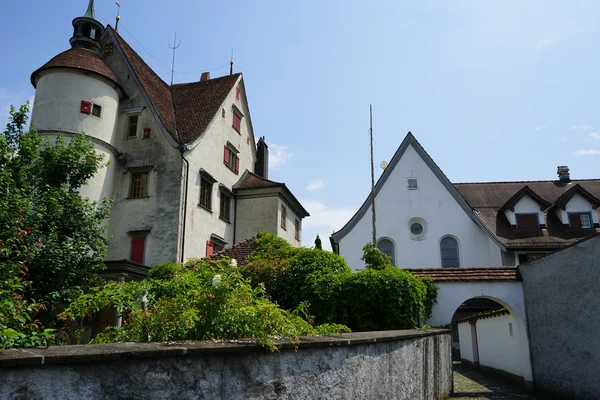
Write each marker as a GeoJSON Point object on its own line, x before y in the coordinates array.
{"type": "Point", "coordinates": [90, 10]}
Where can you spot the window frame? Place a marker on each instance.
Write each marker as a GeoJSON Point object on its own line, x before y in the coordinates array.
{"type": "Point", "coordinates": [225, 197]}
{"type": "Point", "coordinates": [129, 124]}
{"type": "Point", "coordinates": [393, 256]}
{"type": "Point", "coordinates": [145, 192]}
{"type": "Point", "coordinates": [537, 216]}
{"type": "Point", "coordinates": [205, 200]}
{"type": "Point", "coordinates": [297, 229]}
{"type": "Point", "coordinates": [442, 252]}
{"type": "Point", "coordinates": [96, 107]}
{"type": "Point", "coordinates": [283, 222]}
{"type": "Point", "coordinates": [580, 215]}
{"type": "Point", "coordinates": [408, 183]}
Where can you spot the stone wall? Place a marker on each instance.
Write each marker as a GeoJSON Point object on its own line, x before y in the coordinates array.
{"type": "Point", "coordinates": [411, 365]}
{"type": "Point", "coordinates": [562, 299]}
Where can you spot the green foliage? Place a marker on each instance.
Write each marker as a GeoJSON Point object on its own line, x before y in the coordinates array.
{"type": "Point", "coordinates": [318, 244]}
{"type": "Point", "coordinates": [375, 258]}
{"type": "Point", "coordinates": [52, 241]}
{"type": "Point", "coordinates": [194, 303]}
{"type": "Point", "coordinates": [379, 297]}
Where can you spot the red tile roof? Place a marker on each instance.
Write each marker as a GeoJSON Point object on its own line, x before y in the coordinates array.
{"type": "Point", "coordinates": [82, 59]}
{"type": "Point", "coordinates": [484, 315]}
{"type": "Point", "coordinates": [157, 90]}
{"type": "Point", "coordinates": [197, 103]}
{"type": "Point", "coordinates": [507, 274]}
{"type": "Point", "coordinates": [250, 180]}
{"type": "Point", "coordinates": [241, 251]}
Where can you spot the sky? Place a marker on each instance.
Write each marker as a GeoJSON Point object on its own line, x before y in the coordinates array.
{"type": "Point", "coordinates": [494, 90]}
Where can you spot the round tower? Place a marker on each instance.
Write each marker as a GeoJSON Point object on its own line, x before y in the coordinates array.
{"type": "Point", "coordinates": [76, 92]}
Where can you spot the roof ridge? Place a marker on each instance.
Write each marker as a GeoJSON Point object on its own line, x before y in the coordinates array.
{"type": "Point", "coordinates": [533, 181]}
{"type": "Point", "coordinates": [218, 78]}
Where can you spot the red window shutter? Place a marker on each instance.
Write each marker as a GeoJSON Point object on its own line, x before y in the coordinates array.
{"type": "Point", "coordinates": [237, 93]}
{"type": "Point", "coordinates": [237, 122]}
{"type": "Point", "coordinates": [237, 165]}
{"type": "Point", "coordinates": [217, 248]}
{"type": "Point", "coordinates": [137, 249]}
{"type": "Point", "coordinates": [223, 112]}
{"type": "Point", "coordinates": [86, 107]}
{"type": "Point", "coordinates": [575, 221]}
{"type": "Point", "coordinates": [210, 248]}
{"type": "Point", "coordinates": [226, 155]}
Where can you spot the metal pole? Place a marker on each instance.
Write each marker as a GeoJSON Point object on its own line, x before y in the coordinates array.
{"type": "Point", "coordinates": [372, 177]}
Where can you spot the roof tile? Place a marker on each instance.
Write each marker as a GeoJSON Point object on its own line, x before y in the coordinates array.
{"type": "Point", "coordinates": [508, 274]}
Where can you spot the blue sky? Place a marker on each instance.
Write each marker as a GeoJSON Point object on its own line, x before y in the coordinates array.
{"type": "Point", "coordinates": [494, 90]}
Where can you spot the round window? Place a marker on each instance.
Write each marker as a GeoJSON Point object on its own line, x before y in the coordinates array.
{"type": "Point", "coordinates": [416, 228]}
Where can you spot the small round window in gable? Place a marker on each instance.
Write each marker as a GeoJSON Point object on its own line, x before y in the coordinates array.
{"type": "Point", "coordinates": [417, 227]}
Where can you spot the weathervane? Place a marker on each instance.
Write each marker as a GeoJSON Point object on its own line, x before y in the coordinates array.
{"type": "Point", "coordinates": [118, 17]}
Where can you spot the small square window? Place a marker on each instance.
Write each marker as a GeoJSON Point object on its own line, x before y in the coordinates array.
{"type": "Point", "coordinates": [139, 185]}
{"type": "Point", "coordinates": [412, 184]}
{"type": "Point", "coordinates": [206, 193]}
{"type": "Point", "coordinates": [97, 111]}
{"type": "Point", "coordinates": [132, 124]}
{"type": "Point", "coordinates": [283, 218]}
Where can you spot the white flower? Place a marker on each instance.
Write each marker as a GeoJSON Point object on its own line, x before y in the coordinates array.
{"type": "Point", "coordinates": [233, 262]}
{"type": "Point", "coordinates": [216, 280]}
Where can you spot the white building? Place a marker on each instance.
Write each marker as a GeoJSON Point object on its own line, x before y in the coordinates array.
{"type": "Point", "coordinates": [185, 171]}
{"type": "Point", "coordinates": [469, 237]}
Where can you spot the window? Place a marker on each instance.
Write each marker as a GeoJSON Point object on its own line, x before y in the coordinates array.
{"type": "Point", "coordinates": [231, 160]}
{"type": "Point", "coordinates": [139, 184]}
{"type": "Point", "coordinates": [206, 193]}
{"type": "Point", "coordinates": [416, 228]}
{"type": "Point", "coordinates": [138, 244]}
{"type": "Point", "coordinates": [237, 122]}
{"type": "Point", "coordinates": [387, 247]}
{"type": "Point", "coordinates": [132, 123]}
{"type": "Point", "coordinates": [237, 93]}
{"type": "Point", "coordinates": [212, 248]}
{"type": "Point", "coordinates": [283, 217]}
{"type": "Point", "coordinates": [527, 221]}
{"type": "Point", "coordinates": [412, 184]}
{"type": "Point", "coordinates": [297, 227]}
{"type": "Point", "coordinates": [225, 206]}
{"type": "Point", "coordinates": [97, 110]}
{"type": "Point", "coordinates": [580, 220]}
{"type": "Point", "coordinates": [449, 252]}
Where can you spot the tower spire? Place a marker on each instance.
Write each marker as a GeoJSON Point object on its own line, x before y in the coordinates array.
{"type": "Point", "coordinates": [90, 10]}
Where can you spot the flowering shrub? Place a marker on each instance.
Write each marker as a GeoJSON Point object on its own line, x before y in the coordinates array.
{"type": "Point", "coordinates": [194, 302]}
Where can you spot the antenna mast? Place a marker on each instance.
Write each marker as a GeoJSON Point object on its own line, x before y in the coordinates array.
{"type": "Point", "coordinates": [118, 17]}
{"type": "Point", "coordinates": [174, 47]}
{"type": "Point", "coordinates": [372, 176]}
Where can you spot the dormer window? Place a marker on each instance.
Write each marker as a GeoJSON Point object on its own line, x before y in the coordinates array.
{"type": "Point", "coordinates": [527, 221]}
{"type": "Point", "coordinates": [580, 220]}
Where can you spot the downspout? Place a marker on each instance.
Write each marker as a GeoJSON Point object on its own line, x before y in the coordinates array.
{"type": "Point", "coordinates": [234, 217]}
{"type": "Point", "coordinates": [183, 149]}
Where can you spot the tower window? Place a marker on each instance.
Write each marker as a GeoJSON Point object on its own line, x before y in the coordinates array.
{"type": "Point", "coordinates": [132, 123]}
{"type": "Point", "coordinates": [283, 218]}
{"type": "Point", "coordinates": [97, 111]}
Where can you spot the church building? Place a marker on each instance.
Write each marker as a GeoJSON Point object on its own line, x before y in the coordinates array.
{"type": "Point", "coordinates": [184, 168]}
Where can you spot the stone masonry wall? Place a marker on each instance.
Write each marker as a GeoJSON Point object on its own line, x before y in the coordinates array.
{"type": "Point", "coordinates": [411, 365]}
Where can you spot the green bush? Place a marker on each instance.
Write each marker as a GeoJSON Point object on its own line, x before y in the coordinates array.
{"type": "Point", "coordinates": [375, 258]}
{"type": "Point", "coordinates": [194, 303]}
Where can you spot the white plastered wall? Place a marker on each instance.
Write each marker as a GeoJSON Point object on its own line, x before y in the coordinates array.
{"type": "Point", "coordinates": [396, 206]}
{"type": "Point", "coordinates": [289, 233]}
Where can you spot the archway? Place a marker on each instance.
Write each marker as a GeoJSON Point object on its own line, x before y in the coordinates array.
{"type": "Point", "coordinates": [488, 332]}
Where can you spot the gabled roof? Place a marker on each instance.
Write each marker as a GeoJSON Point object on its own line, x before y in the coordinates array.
{"type": "Point", "coordinates": [157, 92]}
{"type": "Point", "coordinates": [197, 103]}
{"type": "Point", "coordinates": [249, 181]}
{"type": "Point", "coordinates": [563, 199]}
{"type": "Point", "coordinates": [410, 140]}
{"type": "Point", "coordinates": [525, 191]}
{"type": "Point", "coordinates": [184, 110]}
{"type": "Point", "coordinates": [79, 59]}
{"type": "Point", "coordinates": [504, 274]}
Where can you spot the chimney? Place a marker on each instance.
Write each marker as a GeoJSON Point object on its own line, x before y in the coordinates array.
{"type": "Point", "coordinates": [261, 167]}
{"type": "Point", "coordinates": [205, 76]}
{"type": "Point", "coordinates": [563, 174]}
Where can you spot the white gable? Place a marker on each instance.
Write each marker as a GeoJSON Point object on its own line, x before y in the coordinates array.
{"type": "Point", "coordinates": [577, 204]}
{"type": "Point", "coordinates": [431, 204]}
{"type": "Point", "coordinates": [526, 205]}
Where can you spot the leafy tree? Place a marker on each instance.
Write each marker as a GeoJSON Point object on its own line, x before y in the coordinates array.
{"type": "Point", "coordinates": [63, 234]}
{"type": "Point", "coordinates": [318, 244]}
{"type": "Point", "coordinates": [375, 258]}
